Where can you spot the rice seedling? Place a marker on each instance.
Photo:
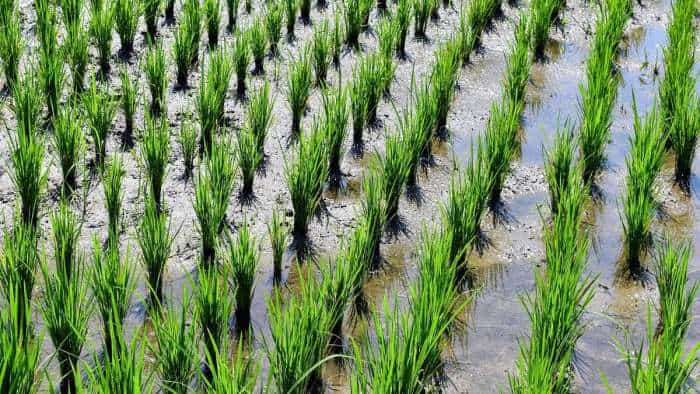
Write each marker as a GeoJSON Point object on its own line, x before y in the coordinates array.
{"type": "Point", "coordinates": [50, 71]}
{"type": "Point", "coordinates": [76, 47]}
{"type": "Point", "coordinates": [46, 26]}
{"type": "Point", "coordinates": [249, 160]}
{"type": "Point", "coordinates": [192, 18]}
{"type": "Point", "coordinates": [69, 144]}
{"type": "Point", "coordinates": [518, 63]}
{"type": "Point", "coordinates": [639, 203]}
{"type": "Point", "coordinates": [212, 16]}
{"type": "Point", "coordinates": [66, 309]}
{"type": "Point", "coordinates": [113, 282]}
{"type": "Point", "coordinates": [259, 115]}
{"type": "Point", "coordinates": [305, 179]}
{"type": "Point", "coordinates": [155, 242]}
{"type": "Point", "coordinates": [364, 245]}
{"type": "Point", "coordinates": [352, 14]}
{"type": "Point", "coordinates": [321, 51]}
{"type": "Point", "coordinates": [241, 61]}
{"type": "Point", "coordinates": [394, 166]}
{"type": "Point", "coordinates": [175, 348]}
{"type": "Point", "coordinates": [365, 92]}
{"type": "Point", "coordinates": [277, 232]}
{"type": "Point", "coordinates": [112, 178]}
{"type": "Point", "coordinates": [248, 5]}
{"type": "Point", "coordinates": [402, 20]}
{"type": "Point", "coordinates": [559, 164]}
{"type": "Point", "coordinates": [305, 11]}
{"type": "Point", "coordinates": [421, 15]}
{"type": "Point", "coordinates": [273, 25]}
{"type": "Point", "coordinates": [71, 11]}
{"type": "Point", "coordinates": [151, 12]}
{"type": "Point", "coordinates": [155, 149]}
{"type": "Point", "coordinates": [129, 91]}
{"type": "Point", "coordinates": [182, 54]}
{"type": "Point", "coordinates": [257, 37]}
{"type": "Point", "coordinates": [418, 123]}
{"type": "Point", "coordinates": [123, 369]}
{"type": "Point", "coordinates": [99, 109]}
{"type": "Point", "coordinates": [366, 7]}
{"type": "Point", "coordinates": [241, 263]}
{"type": "Point", "coordinates": [290, 12]}
{"type": "Point", "coordinates": [212, 95]}
{"type": "Point", "coordinates": [65, 231]}
{"type": "Point", "coordinates": [26, 105]}
{"type": "Point", "coordinates": [337, 36]}
{"type": "Point", "coordinates": [28, 174]}
{"type": "Point", "coordinates": [386, 36]}
{"type": "Point", "coordinates": [11, 47]}
{"type": "Point", "coordinates": [685, 128]}
{"type": "Point", "coordinates": [212, 309]}
{"type": "Point", "coordinates": [501, 144]}
{"type": "Point", "coordinates": [101, 31]}
{"type": "Point", "coordinates": [299, 85]}
{"type": "Point", "coordinates": [335, 121]}
{"type": "Point", "coordinates": [169, 11]}
{"type": "Point", "coordinates": [444, 81]}
{"type": "Point", "coordinates": [232, 8]}
{"type": "Point", "coordinates": [154, 66]}
{"type": "Point", "coordinates": [240, 376]}
{"type": "Point", "coordinates": [187, 139]}
{"type": "Point", "coordinates": [126, 21]}
{"type": "Point", "coordinates": [542, 15]}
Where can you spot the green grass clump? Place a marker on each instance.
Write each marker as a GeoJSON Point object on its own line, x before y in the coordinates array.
{"type": "Point", "coordinates": [232, 8]}
{"type": "Point", "coordinates": [155, 242]}
{"type": "Point", "coordinates": [277, 232]}
{"type": "Point", "coordinates": [257, 38]}
{"type": "Point", "coordinates": [273, 25]}
{"type": "Point", "coordinates": [187, 139]}
{"type": "Point", "coordinates": [11, 47]}
{"type": "Point", "coordinates": [542, 15]}
{"type": "Point", "coordinates": [639, 205]}
{"type": "Point", "coordinates": [212, 17]}
{"type": "Point", "coordinates": [28, 174]}
{"type": "Point", "coordinates": [212, 95]}
{"type": "Point", "coordinates": [299, 86]}
{"type": "Point", "coordinates": [151, 12]}
{"type": "Point", "coordinates": [290, 12]}
{"type": "Point", "coordinates": [99, 109]}
{"type": "Point", "coordinates": [155, 68]}
{"type": "Point", "coordinates": [335, 123]}
{"type": "Point", "coordinates": [321, 51]}
{"type": "Point", "coordinates": [183, 48]}
{"type": "Point", "coordinates": [101, 32]}
{"type": "Point", "coordinates": [395, 167]}
{"type": "Point", "coordinates": [77, 46]}
{"type": "Point", "coordinates": [352, 13]}
{"type": "Point", "coordinates": [126, 21]}
{"type": "Point", "coordinates": [249, 159]}
{"type": "Point", "coordinates": [155, 151]}
{"type": "Point", "coordinates": [241, 262]}
{"type": "Point", "coordinates": [559, 162]}
{"type": "Point", "coordinates": [69, 144]}
{"type": "Point", "coordinates": [212, 308]}
{"type": "Point", "coordinates": [112, 178]}
{"type": "Point", "coordinates": [305, 178]}
{"type": "Point", "coordinates": [241, 61]}
{"type": "Point", "coordinates": [176, 348]}
{"type": "Point", "coordinates": [192, 18]}
{"type": "Point", "coordinates": [259, 115]}
{"type": "Point", "coordinates": [444, 81]}
{"type": "Point", "coordinates": [129, 91]}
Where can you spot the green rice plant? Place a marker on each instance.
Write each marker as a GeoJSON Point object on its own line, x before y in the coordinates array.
{"type": "Point", "coordinates": [26, 105]}
{"type": "Point", "coordinates": [559, 164]}
{"type": "Point", "coordinates": [123, 369]}
{"type": "Point", "coordinates": [684, 131]}
{"type": "Point", "coordinates": [290, 12]}
{"type": "Point", "coordinates": [126, 21]}
{"type": "Point", "coordinates": [151, 12]}
{"type": "Point", "coordinates": [278, 233]}
{"type": "Point", "coordinates": [71, 11]}
{"type": "Point", "coordinates": [338, 286]}
{"type": "Point", "coordinates": [212, 16]}
{"type": "Point", "coordinates": [257, 38]}
{"type": "Point", "coordinates": [352, 13]}
{"type": "Point", "coordinates": [444, 77]}
{"type": "Point", "coordinates": [77, 46]}
{"type": "Point", "coordinates": [169, 11]}
{"type": "Point", "coordinates": [11, 47]}
{"type": "Point", "coordinates": [212, 309]}
{"type": "Point", "coordinates": [46, 26]}
{"type": "Point", "coordinates": [65, 232]}
{"type": "Point", "coordinates": [50, 70]}
{"type": "Point", "coordinates": [518, 63]}
{"type": "Point", "coordinates": [129, 93]}
{"type": "Point", "coordinates": [248, 5]}
{"type": "Point", "coordinates": [101, 32]}
{"type": "Point", "coordinates": [365, 92]}
{"type": "Point", "coordinates": [155, 151]}
{"type": "Point", "coordinates": [155, 242]}
{"type": "Point", "coordinates": [249, 159]}
{"type": "Point", "coordinates": [259, 115]}
{"type": "Point", "coordinates": [99, 109]}
{"type": "Point", "coordinates": [305, 11]}
{"type": "Point", "coordinates": [182, 54]}
{"type": "Point", "coordinates": [421, 15]}
{"type": "Point", "coordinates": [639, 204]}
{"type": "Point", "coordinates": [192, 18]}
{"type": "Point", "coordinates": [402, 20]}
{"type": "Point", "coordinates": [321, 51]}
{"type": "Point", "coordinates": [418, 123]}
{"type": "Point", "coordinates": [241, 263]}
{"type": "Point", "coordinates": [69, 144]}
{"type": "Point", "coordinates": [112, 280]}
{"type": "Point", "coordinates": [187, 139]}
{"type": "Point", "coordinates": [232, 7]}
{"type": "Point", "coordinates": [112, 178]}
{"type": "Point", "coordinates": [28, 174]}
{"type": "Point", "coordinates": [273, 25]}
{"type": "Point", "coordinates": [241, 61]}
{"type": "Point", "coordinates": [335, 123]}
{"type": "Point", "coordinates": [364, 245]}
{"type": "Point", "coordinates": [66, 309]}
{"type": "Point", "coordinates": [299, 85]}
{"type": "Point", "coordinates": [155, 67]}
{"type": "Point", "coordinates": [366, 7]}
{"type": "Point", "coordinates": [239, 376]}
{"type": "Point", "coordinates": [212, 94]}
{"type": "Point", "coordinates": [176, 348]}
{"type": "Point", "coordinates": [542, 15]}
{"type": "Point", "coordinates": [305, 178]}
{"type": "Point", "coordinates": [337, 36]}
{"type": "Point", "coordinates": [386, 36]}
{"type": "Point", "coordinates": [394, 166]}
{"type": "Point", "coordinates": [501, 144]}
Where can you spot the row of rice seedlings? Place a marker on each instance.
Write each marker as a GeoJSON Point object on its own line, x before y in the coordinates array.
{"type": "Point", "coordinates": [212, 95]}
{"type": "Point", "coordinates": [662, 366]}
{"type": "Point", "coordinates": [11, 46]}
{"type": "Point", "coordinates": [99, 110]}
{"type": "Point", "coordinates": [128, 100]}
{"type": "Point", "coordinates": [299, 85]}
{"type": "Point", "coordinates": [155, 242]}
{"type": "Point", "coordinates": [599, 93]}
{"type": "Point", "coordinates": [155, 68]}
{"type": "Point", "coordinates": [126, 21]}
{"type": "Point", "coordinates": [241, 263]}
{"type": "Point", "coordinates": [639, 204]}
{"type": "Point", "coordinates": [473, 20]}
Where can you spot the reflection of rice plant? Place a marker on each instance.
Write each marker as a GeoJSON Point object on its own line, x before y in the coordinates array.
{"type": "Point", "coordinates": [299, 88]}
{"type": "Point", "coordinates": [155, 242]}
{"type": "Point", "coordinates": [241, 262]}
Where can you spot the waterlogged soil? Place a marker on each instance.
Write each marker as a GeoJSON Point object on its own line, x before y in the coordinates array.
{"type": "Point", "coordinates": [484, 349]}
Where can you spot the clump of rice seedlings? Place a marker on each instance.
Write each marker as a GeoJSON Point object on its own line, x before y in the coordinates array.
{"type": "Point", "coordinates": [65, 231]}
{"type": "Point", "coordinates": [101, 31]}
{"type": "Point", "coordinates": [364, 245]}
{"type": "Point", "coordinates": [290, 11]}
{"type": "Point", "coordinates": [212, 16]}
{"type": "Point", "coordinates": [26, 105]}
{"type": "Point", "coordinates": [182, 53]}
{"type": "Point", "coordinates": [639, 204]}
{"type": "Point", "coordinates": [169, 11]}
{"type": "Point", "coordinates": [421, 15]}
{"type": "Point", "coordinates": [321, 51]}
{"type": "Point", "coordinates": [154, 67]}
{"type": "Point", "coordinates": [444, 81]}
{"type": "Point", "coordinates": [248, 6]}
{"type": "Point", "coordinates": [232, 8]}
{"type": "Point", "coordinates": [126, 21]}
{"type": "Point", "coordinates": [99, 109]}
{"type": "Point", "coordinates": [46, 26]}
{"type": "Point", "coordinates": [386, 36]}
{"type": "Point", "coordinates": [176, 348]}
{"type": "Point", "coordinates": [66, 309]}
{"type": "Point", "coordinates": [418, 123]}
{"type": "Point", "coordinates": [50, 67]}
{"type": "Point", "coordinates": [299, 86]}
{"type": "Point", "coordinates": [335, 121]}
{"type": "Point", "coordinates": [337, 36]}
{"type": "Point", "coordinates": [542, 15]}
{"type": "Point", "coordinates": [213, 186]}
{"type": "Point", "coordinates": [559, 164]}
{"type": "Point", "coordinates": [277, 232]}
{"type": "Point", "coordinates": [123, 369]}
{"type": "Point", "coordinates": [151, 12]}
{"type": "Point", "coordinates": [76, 47]}
{"type": "Point", "coordinates": [71, 11]}
{"type": "Point", "coordinates": [113, 282]}
{"type": "Point", "coordinates": [155, 149]}
{"type": "Point", "coordinates": [518, 64]}
{"type": "Point", "coordinates": [259, 116]}
{"type": "Point", "coordinates": [239, 376]}
{"type": "Point", "coordinates": [112, 178]}
{"type": "Point", "coordinates": [20, 259]}
{"type": "Point", "coordinates": [249, 159]}
{"type": "Point", "coordinates": [394, 166]}
{"type": "Point", "coordinates": [11, 46]}
{"type": "Point", "coordinates": [366, 7]}
{"type": "Point", "coordinates": [187, 139]}
{"type": "Point", "coordinates": [257, 37]}
{"type": "Point", "coordinates": [352, 14]}
{"type": "Point", "coordinates": [128, 103]}
{"type": "Point", "coordinates": [684, 130]}
{"type": "Point", "coordinates": [273, 25]}
{"type": "Point", "coordinates": [241, 61]}
{"type": "Point", "coordinates": [212, 95]}
{"type": "Point", "coordinates": [365, 92]}
{"type": "Point", "coordinates": [305, 11]}
{"type": "Point", "coordinates": [305, 179]}
{"type": "Point", "coordinates": [28, 174]}
{"type": "Point", "coordinates": [402, 20]}
{"type": "Point", "coordinates": [192, 18]}
{"type": "Point", "coordinates": [69, 143]}
{"type": "Point", "coordinates": [212, 309]}
{"type": "Point", "coordinates": [500, 144]}
{"type": "Point", "coordinates": [241, 262]}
